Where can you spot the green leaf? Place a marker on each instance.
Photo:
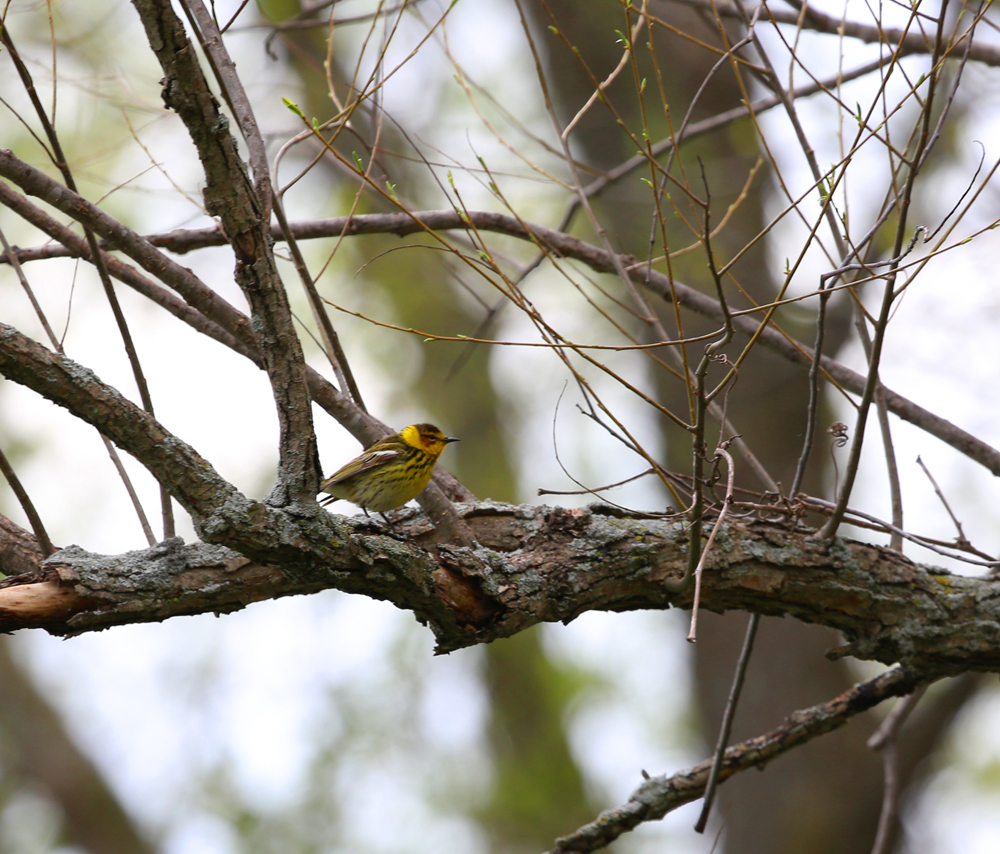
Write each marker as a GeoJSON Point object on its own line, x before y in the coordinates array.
{"type": "Point", "coordinates": [294, 108]}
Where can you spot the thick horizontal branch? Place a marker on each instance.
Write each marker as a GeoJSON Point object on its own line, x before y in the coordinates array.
{"type": "Point", "coordinates": [660, 795]}
{"type": "Point", "coordinates": [531, 564]}
{"type": "Point", "coordinates": [522, 547]}
{"type": "Point", "coordinates": [541, 564]}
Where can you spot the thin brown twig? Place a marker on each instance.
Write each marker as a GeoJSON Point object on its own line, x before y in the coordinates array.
{"type": "Point", "coordinates": [961, 539]}
{"type": "Point", "coordinates": [62, 163]}
{"type": "Point", "coordinates": [144, 253]}
{"type": "Point", "coordinates": [727, 721]}
{"type": "Point", "coordinates": [924, 142]}
{"type": "Point", "coordinates": [905, 41]}
{"type": "Point", "coordinates": [26, 505]}
{"type": "Point", "coordinates": [892, 468]}
{"type": "Point", "coordinates": [852, 517]}
{"type": "Point", "coordinates": [331, 340]}
{"type": "Point", "coordinates": [596, 489]}
{"type": "Point", "coordinates": [885, 739]}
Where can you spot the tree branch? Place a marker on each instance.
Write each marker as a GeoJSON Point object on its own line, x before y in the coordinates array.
{"type": "Point", "coordinates": [187, 476]}
{"type": "Point", "coordinates": [563, 245]}
{"type": "Point", "coordinates": [144, 252]}
{"type": "Point", "coordinates": [365, 428]}
{"type": "Point", "coordinates": [567, 246]}
{"type": "Point", "coordinates": [531, 565]}
{"type": "Point", "coordinates": [71, 244]}
{"type": "Point", "coordinates": [19, 549]}
{"type": "Point", "coordinates": [230, 196]}
{"type": "Point", "coordinates": [660, 795]}
{"type": "Point", "coordinates": [911, 41]}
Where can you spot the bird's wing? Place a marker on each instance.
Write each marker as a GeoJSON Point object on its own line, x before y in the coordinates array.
{"type": "Point", "coordinates": [366, 462]}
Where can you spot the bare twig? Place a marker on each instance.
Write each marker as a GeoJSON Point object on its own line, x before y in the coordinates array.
{"type": "Point", "coordinates": [906, 41]}
{"type": "Point", "coordinates": [26, 505]}
{"type": "Point", "coordinates": [885, 740]}
{"type": "Point", "coordinates": [727, 721]}
{"type": "Point", "coordinates": [812, 409]}
{"type": "Point", "coordinates": [144, 253]}
{"type": "Point", "coordinates": [727, 502]}
{"type": "Point", "coordinates": [62, 163]}
{"type": "Point", "coordinates": [925, 140]}
{"type": "Point", "coordinates": [961, 539]}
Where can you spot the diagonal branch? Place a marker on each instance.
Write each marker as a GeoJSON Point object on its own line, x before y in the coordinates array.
{"type": "Point", "coordinates": [186, 475]}
{"type": "Point", "coordinates": [660, 795]}
{"type": "Point", "coordinates": [197, 313]}
{"type": "Point", "coordinates": [230, 195]}
{"type": "Point", "coordinates": [303, 542]}
{"type": "Point", "coordinates": [365, 428]}
{"type": "Point", "coordinates": [910, 41]}
{"type": "Point", "coordinates": [236, 99]}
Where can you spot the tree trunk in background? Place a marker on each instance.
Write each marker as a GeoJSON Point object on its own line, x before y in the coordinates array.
{"type": "Point", "coordinates": [539, 792]}
{"type": "Point", "coordinates": [825, 797]}
{"type": "Point", "coordinates": [39, 752]}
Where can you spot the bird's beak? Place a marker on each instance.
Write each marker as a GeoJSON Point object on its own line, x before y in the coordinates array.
{"type": "Point", "coordinates": [451, 439]}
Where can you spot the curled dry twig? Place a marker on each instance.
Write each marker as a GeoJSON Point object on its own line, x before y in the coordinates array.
{"type": "Point", "coordinates": [720, 453]}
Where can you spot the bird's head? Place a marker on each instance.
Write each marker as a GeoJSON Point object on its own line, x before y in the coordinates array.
{"type": "Point", "coordinates": [427, 437]}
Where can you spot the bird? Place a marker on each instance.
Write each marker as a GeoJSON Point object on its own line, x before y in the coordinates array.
{"type": "Point", "coordinates": [391, 472]}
